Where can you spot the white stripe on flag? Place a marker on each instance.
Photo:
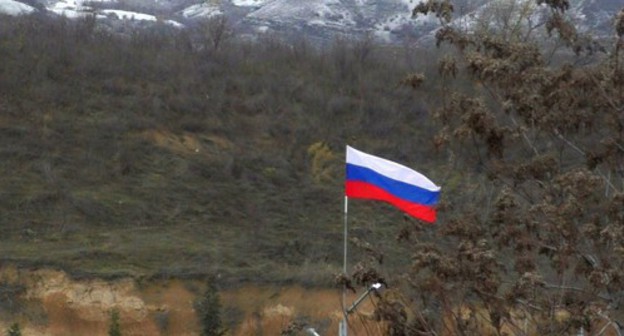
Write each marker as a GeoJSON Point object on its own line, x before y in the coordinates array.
{"type": "Point", "coordinates": [389, 169]}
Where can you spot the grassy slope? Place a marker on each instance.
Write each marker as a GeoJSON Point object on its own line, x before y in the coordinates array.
{"type": "Point", "coordinates": [143, 155]}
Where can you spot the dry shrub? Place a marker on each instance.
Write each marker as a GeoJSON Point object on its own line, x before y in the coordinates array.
{"type": "Point", "coordinates": [537, 249]}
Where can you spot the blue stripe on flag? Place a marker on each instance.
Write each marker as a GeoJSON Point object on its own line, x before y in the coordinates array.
{"type": "Point", "coordinates": [406, 191]}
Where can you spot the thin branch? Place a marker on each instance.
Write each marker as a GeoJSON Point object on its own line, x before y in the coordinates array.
{"type": "Point", "coordinates": [616, 327]}
{"type": "Point", "coordinates": [526, 138]}
{"type": "Point", "coordinates": [581, 152]}
{"type": "Point", "coordinates": [568, 142]}
{"type": "Point", "coordinates": [576, 289]}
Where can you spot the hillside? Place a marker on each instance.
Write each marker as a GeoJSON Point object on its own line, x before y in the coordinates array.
{"type": "Point", "coordinates": [143, 155]}
{"type": "Point", "coordinates": [389, 21]}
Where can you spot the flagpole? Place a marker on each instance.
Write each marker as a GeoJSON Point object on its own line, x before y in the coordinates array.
{"type": "Point", "coordinates": [343, 329]}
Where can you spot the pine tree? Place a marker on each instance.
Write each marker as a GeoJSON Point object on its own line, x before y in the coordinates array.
{"type": "Point", "coordinates": [114, 328]}
{"type": "Point", "coordinates": [14, 330]}
{"type": "Point", "coordinates": [209, 311]}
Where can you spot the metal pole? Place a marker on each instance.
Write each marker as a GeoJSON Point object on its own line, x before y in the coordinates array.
{"type": "Point", "coordinates": [374, 287]}
{"type": "Point", "coordinates": [358, 301]}
{"type": "Point", "coordinates": [344, 329]}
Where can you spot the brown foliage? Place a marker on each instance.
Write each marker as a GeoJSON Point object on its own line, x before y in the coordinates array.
{"type": "Point", "coordinates": [442, 9]}
{"type": "Point", "coordinates": [619, 23]}
{"type": "Point", "coordinates": [543, 124]}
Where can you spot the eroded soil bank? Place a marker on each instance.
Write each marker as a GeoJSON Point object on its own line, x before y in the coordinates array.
{"type": "Point", "coordinates": [49, 302]}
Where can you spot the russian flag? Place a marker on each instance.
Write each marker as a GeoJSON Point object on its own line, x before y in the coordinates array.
{"type": "Point", "coordinates": [371, 177]}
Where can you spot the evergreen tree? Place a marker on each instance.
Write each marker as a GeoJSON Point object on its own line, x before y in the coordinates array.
{"type": "Point", "coordinates": [114, 328]}
{"type": "Point", "coordinates": [209, 311]}
{"type": "Point", "coordinates": [14, 330]}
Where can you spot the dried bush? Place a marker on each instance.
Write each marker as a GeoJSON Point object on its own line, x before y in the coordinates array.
{"type": "Point", "coordinates": [542, 234]}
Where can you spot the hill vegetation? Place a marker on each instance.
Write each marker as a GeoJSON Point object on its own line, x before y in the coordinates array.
{"type": "Point", "coordinates": [189, 152]}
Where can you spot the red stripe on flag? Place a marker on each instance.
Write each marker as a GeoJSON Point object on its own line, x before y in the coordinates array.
{"type": "Point", "coordinates": [358, 189]}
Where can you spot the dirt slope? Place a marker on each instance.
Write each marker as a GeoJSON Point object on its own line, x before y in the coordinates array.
{"type": "Point", "coordinates": [52, 303]}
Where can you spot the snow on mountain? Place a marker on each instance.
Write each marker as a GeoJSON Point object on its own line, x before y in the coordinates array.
{"type": "Point", "coordinates": [385, 19]}
{"type": "Point", "coordinates": [127, 15]}
{"type": "Point", "coordinates": [595, 15]}
{"type": "Point", "coordinates": [389, 20]}
{"type": "Point", "coordinates": [134, 16]}
{"type": "Point", "coordinates": [250, 3]}
{"type": "Point", "coordinates": [70, 9]}
{"type": "Point", "coordinates": [81, 8]}
{"type": "Point", "coordinates": [309, 12]}
{"type": "Point", "coordinates": [202, 10]}
{"type": "Point", "coordinates": [15, 8]}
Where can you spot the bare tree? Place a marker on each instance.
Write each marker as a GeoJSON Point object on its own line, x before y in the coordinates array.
{"type": "Point", "coordinates": [214, 31]}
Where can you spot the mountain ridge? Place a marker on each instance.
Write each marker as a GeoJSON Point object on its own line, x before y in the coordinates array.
{"type": "Point", "coordinates": [385, 20]}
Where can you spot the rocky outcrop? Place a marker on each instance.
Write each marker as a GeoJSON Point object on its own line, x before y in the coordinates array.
{"type": "Point", "coordinates": [83, 307]}
{"type": "Point", "coordinates": [53, 303]}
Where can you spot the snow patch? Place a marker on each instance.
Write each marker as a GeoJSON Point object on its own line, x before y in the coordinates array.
{"type": "Point", "coordinates": [135, 16]}
{"type": "Point", "coordinates": [201, 10]}
{"type": "Point", "coordinates": [174, 23]}
{"type": "Point", "coordinates": [75, 14]}
{"type": "Point", "coordinates": [317, 23]}
{"type": "Point", "coordinates": [15, 8]}
{"type": "Point", "coordinates": [74, 9]}
{"type": "Point", "coordinates": [332, 12]}
{"type": "Point", "coordinates": [75, 4]}
{"type": "Point", "coordinates": [249, 3]}
{"type": "Point", "coordinates": [70, 9]}
{"type": "Point", "coordinates": [128, 15]}
{"type": "Point", "coordinates": [262, 29]}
